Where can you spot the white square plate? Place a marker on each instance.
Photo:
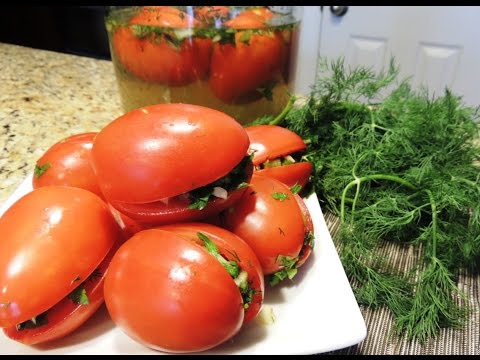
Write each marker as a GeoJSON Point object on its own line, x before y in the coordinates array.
{"type": "Point", "coordinates": [315, 313]}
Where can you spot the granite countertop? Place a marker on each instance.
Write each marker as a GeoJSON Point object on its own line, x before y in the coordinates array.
{"type": "Point", "coordinates": [44, 97]}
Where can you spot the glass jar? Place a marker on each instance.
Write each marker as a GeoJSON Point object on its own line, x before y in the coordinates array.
{"type": "Point", "coordinates": [234, 59]}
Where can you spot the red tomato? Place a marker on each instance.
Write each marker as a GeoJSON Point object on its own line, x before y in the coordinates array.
{"type": "Point", "coordinates": [176, 210]}
{"type": "Point", "coordinates": [237, 70]}
{"type": "Point", "coordinates": [270, 220]}
{"type": "Point", "coordinates": [167, 292]}
{"type": "Point", "coordinates": [233, 248]}
{"type": "Point", "coordinates": [67, 315]}
{"type": "Point", "coordinates": [52, 238]}
{"type": "Point", "coordinates": [309, 242]}
{"type": "Point", "coordinates": [292, 174]}
{"type": "Point", "coordinates": [271, 142]}
{"type": "Point", "coordinates": [148, 159]}
{"type": "Point", "coordinates": [268, 142]}
{"type": "Point", "coordinates": [154, 57]}
{"type": "Point", "coordinates": [68, 163]}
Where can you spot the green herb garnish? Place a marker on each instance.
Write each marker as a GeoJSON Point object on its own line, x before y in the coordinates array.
{"type": "Point", "coordinates": [289, 270]}
{"type": "Point", "coordinates": [40, 169]}
{"type": "Point", "coordinates": [79, 296]}
{"type": "Point", "coordinates": [235, 179]}
{"type": "Point", "coordinates": [295, 189]}
{"type": "Point", "coordinates": [280, 196]}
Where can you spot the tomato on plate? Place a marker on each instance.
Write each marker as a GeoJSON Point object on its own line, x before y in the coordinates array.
{"type": "Point", "coordinates": [269, 218]}
{"type": "Point", "coordinates": [233, 249]}
{"type": "Point", "coordinates": [238, 70]}
{"type": "Point", "coordinates": [167, 288]}
{"type": "Point", "coordinates": [150, 49]}
{"type": "Point", "coordinates": [53, 240]}
{"type": "Point", "coordinates": [172, 162]}
{"type": "Point", "coordinates": [68, 163]}
{"type": "Point", "coordinates": [274, 149]}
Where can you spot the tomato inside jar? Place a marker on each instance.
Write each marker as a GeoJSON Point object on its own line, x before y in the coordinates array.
{"type": "Point", "coordinates": [231, 58]}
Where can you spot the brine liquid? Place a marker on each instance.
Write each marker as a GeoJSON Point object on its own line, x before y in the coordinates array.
{"type": "Point", "coordinates": [136, 92]}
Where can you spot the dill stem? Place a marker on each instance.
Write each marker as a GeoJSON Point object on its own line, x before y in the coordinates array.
{"type": "Point", "coordinates": [357, 181]}
{"type": "Point", "coordinates": [284, 112]}
{"type": "Point", "coordinates": [434, 223]}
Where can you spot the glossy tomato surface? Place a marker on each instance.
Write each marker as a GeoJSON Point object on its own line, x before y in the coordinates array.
{"type": "Point", "coordinates": [153, 57]}
{"type": "Point", "coordinates": [165, 150]}
{"type": "Point", "coordinates": [291, 174]}
{"type": "Point", "coordinates": [68, 162]}
{"type": "Point", "coordinates": [268, 142]}
{"type": "Point", "coordinates": [170, 294]}
{"type": "Point", "coordinates": [51, 237]}
{"type": "Point", "coordinates": [269, 219]}
{"type": "Point", "coordinates": [69, 313]}
{"type": "Point", "coordinates": [233, 248]}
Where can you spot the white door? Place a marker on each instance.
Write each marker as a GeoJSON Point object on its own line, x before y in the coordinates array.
{"type": "Point", "coordinates": [437, 46]}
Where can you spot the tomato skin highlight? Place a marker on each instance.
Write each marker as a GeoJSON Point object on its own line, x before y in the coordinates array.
{"type": "Point", "coordinates": [69, 164]}
{"type": "Point", "coordinates": [50, 237]}
{"type": "Point", "coordinates": [170, 149]}
{"type": "Point", "coordinates": [268, 142]}
{"type": "Point", "coordinates": [66, 316]}
{"type": "Point", "coordinates": [270, 226]}
{"type": "Point", "coordinates": [170, 294]}
{"type": "Point", "coordinates": [233, 248]}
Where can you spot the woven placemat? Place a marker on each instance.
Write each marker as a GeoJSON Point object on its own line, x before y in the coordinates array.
{"type": "Point", "coordinates": [465, 341]}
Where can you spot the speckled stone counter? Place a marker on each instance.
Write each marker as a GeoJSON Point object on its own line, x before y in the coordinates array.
{"type": "Point", "coordinates": [44, 97]}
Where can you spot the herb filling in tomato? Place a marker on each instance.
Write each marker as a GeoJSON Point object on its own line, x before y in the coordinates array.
{"type": "Point", "coordinates": [235, 179]}
{"type": "Point", "coordinates": [78, 296]}
{"type": "Point", "coordinates": [281, 161]}
{"type": "Point", "coordinates": [239, 276]}
{"type": "Point", "coordinates": [289, 263]}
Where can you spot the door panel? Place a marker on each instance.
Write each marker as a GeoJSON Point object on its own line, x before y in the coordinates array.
{"type": "Point", "coordinates": [437, 46]}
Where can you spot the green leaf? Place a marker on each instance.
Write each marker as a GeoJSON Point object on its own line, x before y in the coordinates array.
{"type": "Point", "coordinates": [289, 270]}
{"type": "Point", "coordinates": [209, 244]}
{"type": "Point", "coordinates": [245, 37]}
{"type": "Point", "coordinates": [79, 296]}
{"type": "Point", "coordinates": [296, 188]}
{"type": "Point", "coordinates": [201, 202]}
{"type": "Point", "coordinates": [280, 196]}
{"type": "Point", "coordinates": [40, 169]}
{"type": "Point", "coordinates": [231, 266]}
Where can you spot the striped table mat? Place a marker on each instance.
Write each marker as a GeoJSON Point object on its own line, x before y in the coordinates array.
{"type": "Point", "coordinates": [465, 341]}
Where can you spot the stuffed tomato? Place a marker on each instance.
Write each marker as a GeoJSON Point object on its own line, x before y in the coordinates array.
{"type": "Point", "coordinates": [183, 287]}
{"type": "Point", "coordinates": [56, 245]}
{"type": "Point", "coordinates": [277, 153]}
{"type": "Point", "coordinates": [172, 162]}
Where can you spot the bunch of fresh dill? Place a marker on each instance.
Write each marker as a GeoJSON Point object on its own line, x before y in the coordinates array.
{"type": "Point", "coordinates": [400, 167]}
